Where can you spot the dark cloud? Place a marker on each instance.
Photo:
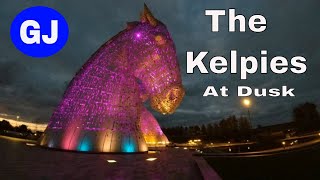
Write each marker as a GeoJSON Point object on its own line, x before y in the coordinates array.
{"type": "Point", "coordinates": [33, 87]}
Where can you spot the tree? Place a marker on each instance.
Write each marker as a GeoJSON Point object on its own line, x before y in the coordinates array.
{"type": "Point", "coordinates": [5, 125]}
{"type": "Point", "coordinates": [306, 117]}
{"type": "Point", "coordinates": [203, 130]}
{"type": "Point", "coordinates": [244, 124]}
{"type": "Point", "coordinates": [229, 127]}
{"type": "Point", "coordinates": [217, 132]}
{"type": "Point", "coordinates": [244, 127]}
{"type": "Point", "coordinates": [23, 129]}
{"type": "Point", "coordinates": [209, 130]}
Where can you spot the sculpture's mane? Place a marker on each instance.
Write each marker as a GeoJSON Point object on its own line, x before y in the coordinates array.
{"type": "Point", "coordinates": [130, 26]}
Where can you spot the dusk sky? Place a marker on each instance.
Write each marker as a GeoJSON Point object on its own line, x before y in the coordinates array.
{"type": "Point", "coordinates": [32, 87]}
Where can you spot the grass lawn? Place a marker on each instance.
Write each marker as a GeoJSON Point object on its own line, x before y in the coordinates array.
{"type": "Point", "coordinates": [304, 164]}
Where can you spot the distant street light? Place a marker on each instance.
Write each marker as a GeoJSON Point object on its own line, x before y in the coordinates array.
{"type": "Point", "coordinates": [17, 120]}
{"type": "Point", "coordinates": [247, 104]}
{"type": "Point", "coordinates": [283, 144]}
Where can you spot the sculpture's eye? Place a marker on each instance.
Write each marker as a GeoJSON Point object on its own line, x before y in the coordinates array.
{"type": "Point", "coordinates": [172, 96]}
{"type": "Point", "coordinates": [160, 39]}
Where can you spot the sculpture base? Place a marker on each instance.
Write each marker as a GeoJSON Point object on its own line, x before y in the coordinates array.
{"type": "Point", "coordinates": [93, 141]}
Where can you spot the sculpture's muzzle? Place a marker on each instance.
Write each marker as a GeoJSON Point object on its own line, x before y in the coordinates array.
{"type": "Point", "coordinates": [168, 101]}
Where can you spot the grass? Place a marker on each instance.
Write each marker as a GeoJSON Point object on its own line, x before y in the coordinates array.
{"type": "Point", "coordinates": [304, 164]}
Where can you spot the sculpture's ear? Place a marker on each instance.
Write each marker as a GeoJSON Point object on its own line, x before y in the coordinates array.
{"type": "Point", "coordinates": [131, 25]}
{"type": "Point", "coordinates": [146, 16]}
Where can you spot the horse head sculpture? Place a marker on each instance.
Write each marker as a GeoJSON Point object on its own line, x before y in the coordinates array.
{"type": "Point", "coordinates": [102, 107]}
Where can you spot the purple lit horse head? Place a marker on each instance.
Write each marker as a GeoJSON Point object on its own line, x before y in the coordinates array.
{"type": "Point", "coordinates": [155, 63]}
{"type": "Point", "coordinates": [102, 106]}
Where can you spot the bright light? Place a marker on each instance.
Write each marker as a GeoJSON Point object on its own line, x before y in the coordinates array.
{"type": "Point", "coordinates": [30, 144]}
{"type": "Point", "coordinates": [152, 152]}
{"type": "Point", "coordinates": [194, 141]}
{"type": "Point", "coordinates": [246, 102]}
{"type": "Point", "coordinates": [138, 35]}
{"type": "Point", "coordinates": [283, 143]}
{"type": "Point", "coordinates": [111, 161]}
{"type": "Point", "coordinates": [151, 159]}
{"type": "Point", "coordinates": [185, 148]}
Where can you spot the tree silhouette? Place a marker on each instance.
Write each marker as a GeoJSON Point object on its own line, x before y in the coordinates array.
{"type": "Point", "coordinates": [306, 117]}
{"type": "Point", "coordinates": [22, 129]}
{"type": "Point", "coordinates": [5, 125]}
{"type": "Point", "coordinates": [226, 129]}
{"type": "Point", "coordinates": [203, 130]}
{"type": "Point", "coordinates": [244, 127]}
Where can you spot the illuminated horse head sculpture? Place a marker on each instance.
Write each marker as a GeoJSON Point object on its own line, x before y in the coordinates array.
{"type": "Point", "coordinates": [102, 107]}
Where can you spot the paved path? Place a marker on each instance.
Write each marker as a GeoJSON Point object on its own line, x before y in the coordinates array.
{"type": "Point", "coordinates": [19, 161]}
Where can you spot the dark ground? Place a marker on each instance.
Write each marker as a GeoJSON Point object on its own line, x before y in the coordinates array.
{"type": "Point", "coordinates": [303, 164]}
{"type": "Point", "coordinates": [18, 161]}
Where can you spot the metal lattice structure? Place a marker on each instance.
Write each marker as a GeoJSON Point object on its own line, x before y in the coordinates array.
{"type": "Point", "coordinates": [151, 130]}
{"type": "Point", "coordinates": [101, 109]}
